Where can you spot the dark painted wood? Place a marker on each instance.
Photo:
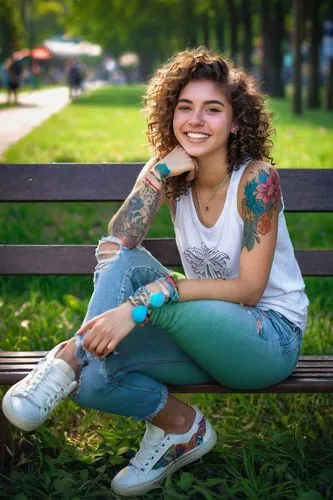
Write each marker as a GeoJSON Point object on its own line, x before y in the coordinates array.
{"type": "Point", "coordinates": [80, 259]}
{"type": "Point", "coordinates": [312, 374]}
{"type": "Point", "coordinates": [35, 356]}
{"type": "Point", "coordinates": [309, 385]}
{"type": "Point", "coordinates": [67, 181]}
{"type": "Point", "coordinates": [305, 190]}
{"type": "Point", "coordinates": [22, 354]}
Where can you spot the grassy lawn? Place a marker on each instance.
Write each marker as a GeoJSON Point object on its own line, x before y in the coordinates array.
{"type": "Point", "coordinates": [270, 447]}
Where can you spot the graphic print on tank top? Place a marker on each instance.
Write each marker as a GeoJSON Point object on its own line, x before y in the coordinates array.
{"type": "Point", "coordinates": [208, 262]}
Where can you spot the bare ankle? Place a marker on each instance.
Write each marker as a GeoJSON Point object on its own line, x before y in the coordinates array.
{"type": "Point", "coordinates": [176, 417]}
{"type": "Point", "coordinates": [67, 353]}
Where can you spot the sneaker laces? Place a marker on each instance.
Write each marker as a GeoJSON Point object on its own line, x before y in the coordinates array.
{"type": "Point", "coordinates": [147, 452]}
{"type": "Point", "coordinates": [47, 394]}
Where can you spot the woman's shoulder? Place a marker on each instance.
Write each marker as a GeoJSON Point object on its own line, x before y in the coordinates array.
{"type": "Point", "coordinates": [254, 167]}
{"type": "Point", "coordinates": [256, 173]}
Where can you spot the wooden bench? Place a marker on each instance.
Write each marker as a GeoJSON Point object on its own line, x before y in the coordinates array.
{"type": "Point", "coordinates": [304, 191]}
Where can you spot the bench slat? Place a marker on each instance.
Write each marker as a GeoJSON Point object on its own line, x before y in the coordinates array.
{"type": "Point", "coordinates": [25, 368]}
{"type": "Point", "coordinates": [40, 354]}
{"type": "Point", "coordinates": [11, 364]}
{"type": "Point", "coordinates": [80, 259]}
{"type": "Point", "coordinates": [20, 354]}
{"type": "Point", "coordinates": [312, 374]}
{"type": "Point", "coordinates": [292, 384]}
{"type": "Point", "coordinates": [113, 182]}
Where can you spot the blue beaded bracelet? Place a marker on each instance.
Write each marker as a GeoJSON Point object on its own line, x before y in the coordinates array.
{"type": "Point", "coordinates": [157, 300]}
{"type": "Point", "coordinates": [139, 313]}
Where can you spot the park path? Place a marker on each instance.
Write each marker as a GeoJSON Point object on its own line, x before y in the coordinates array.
{"type": "Point", "coordinates": [34, 108]}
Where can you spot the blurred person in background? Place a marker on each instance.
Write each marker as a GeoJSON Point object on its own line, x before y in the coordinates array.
{"type": "Point", "coordinates": [13, 69]}
{"type": "Point", "coordinates": [74, 79]}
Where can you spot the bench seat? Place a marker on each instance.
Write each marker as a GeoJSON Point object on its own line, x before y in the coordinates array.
{"type": "Point", "coordinates": [304, 190]}
{"type": "Point", "coordinates": [312, 374]}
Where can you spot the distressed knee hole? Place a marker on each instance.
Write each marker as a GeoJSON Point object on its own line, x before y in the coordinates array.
{"type": "Point", "coordinates": [106, 253]}
{"type": "Point", "coordinates": [107, 249]}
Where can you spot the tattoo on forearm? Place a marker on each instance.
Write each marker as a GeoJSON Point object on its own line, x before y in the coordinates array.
{"type": "Point", "coordinates": [262, 197]}
{"type": "Point", "coordinates": [132, 221]}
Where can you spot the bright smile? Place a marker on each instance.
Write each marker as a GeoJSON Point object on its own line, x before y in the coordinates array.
{"type": "Point", "coordinates": [196, 136]}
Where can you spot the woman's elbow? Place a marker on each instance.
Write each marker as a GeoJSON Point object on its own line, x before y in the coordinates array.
{"type": "Point", "coordinates": [253, 296]}
{"type": "Point", "coordinates": [123, 240]}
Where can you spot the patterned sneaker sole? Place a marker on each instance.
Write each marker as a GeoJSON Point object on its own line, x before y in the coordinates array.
{"type": "Point", "coordinates": [186, 459]}
{"type": "Point", "coordinates": [12, 417]}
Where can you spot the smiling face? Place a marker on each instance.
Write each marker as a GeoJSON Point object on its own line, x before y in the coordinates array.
{"type": "Point", "coordinates": [202, 119]}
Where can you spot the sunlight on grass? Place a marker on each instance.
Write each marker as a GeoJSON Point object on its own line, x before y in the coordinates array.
{"type": "Point", "coordinates": [108, 126]}
{"type": "Point", "coordinates": [88, 130]}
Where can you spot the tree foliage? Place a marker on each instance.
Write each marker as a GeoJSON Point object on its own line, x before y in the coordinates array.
{"type": "Point", "coordinates": [12, 32]}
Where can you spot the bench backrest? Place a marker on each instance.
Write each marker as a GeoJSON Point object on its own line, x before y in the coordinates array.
{"type": "Point", "coordinates": [304, 190]}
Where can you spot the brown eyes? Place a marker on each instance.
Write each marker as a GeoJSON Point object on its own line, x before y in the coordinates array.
{"type": "Point", "coordinates": [188, 108]}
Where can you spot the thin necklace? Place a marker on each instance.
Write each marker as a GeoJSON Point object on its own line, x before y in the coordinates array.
{"type": "Point", "coordinates": [206, 204]}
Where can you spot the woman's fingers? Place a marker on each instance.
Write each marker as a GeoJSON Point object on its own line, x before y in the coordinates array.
{"type": "Point", "coordinates": [87, 325]}
{"type": "Point", "coordinates": [93, 338]}
{"type": "Point", "coordinates": [101, 347]}
{"type": "Point", "coordinates": [90, 343]}
{"type": "Point", "coordinates": [193, 172]}
{"type": "Point", "coordinates": [111, 346]}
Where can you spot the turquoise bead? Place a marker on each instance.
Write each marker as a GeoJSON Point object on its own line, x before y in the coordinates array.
{"type": "Point", "coordinates": [157, 300]}
{"type": "Point", "coordinates": [139, 313]}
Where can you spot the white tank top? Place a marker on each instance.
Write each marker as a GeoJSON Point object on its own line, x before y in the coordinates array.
{"type": "Point", "coordinates": [214, 252]}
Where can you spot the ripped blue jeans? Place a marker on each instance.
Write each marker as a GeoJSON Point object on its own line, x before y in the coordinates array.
{"type": "Point", "coordinates": [185, 343]}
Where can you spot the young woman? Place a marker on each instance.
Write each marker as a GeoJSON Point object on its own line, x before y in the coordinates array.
{"type": "Point", "coordinates": [240, 314]}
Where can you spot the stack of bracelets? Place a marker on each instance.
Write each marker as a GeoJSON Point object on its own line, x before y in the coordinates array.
{"type": "Point", "coordinates": [143, 299]}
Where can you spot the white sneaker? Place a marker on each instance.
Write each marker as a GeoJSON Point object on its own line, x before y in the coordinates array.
{"type": "Point", "coordinates": [28, 403]}
{"type": "Point", "coordinates": [161, 454]}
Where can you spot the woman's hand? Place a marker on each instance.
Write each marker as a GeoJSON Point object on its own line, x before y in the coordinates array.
{"type": "Point", "coordinates": [178, 162]}
{"type": "Point", "coordinates": [107, 330]}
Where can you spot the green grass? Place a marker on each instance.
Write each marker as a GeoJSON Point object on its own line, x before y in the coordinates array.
{"type": "Point", "coordinates": [102, 127]}
{"type": "Point", "coordinates": [270, 446]}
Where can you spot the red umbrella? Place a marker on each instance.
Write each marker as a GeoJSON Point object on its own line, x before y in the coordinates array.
{"type": "Point", "coordinates": [41, 53]}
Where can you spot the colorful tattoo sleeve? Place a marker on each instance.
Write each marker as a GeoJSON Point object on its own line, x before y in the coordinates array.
{"type": "Point", "coordinates": [261, 200]}
{"type": "Point", "coordinates": [132, 221]}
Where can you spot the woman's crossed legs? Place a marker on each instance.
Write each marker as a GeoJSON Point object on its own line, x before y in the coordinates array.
{"type": "Point", "coordinates": [185, 343]}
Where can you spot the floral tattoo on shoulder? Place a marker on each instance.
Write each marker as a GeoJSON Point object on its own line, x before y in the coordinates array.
{"type": "Point", "coordinates": [262, 196]}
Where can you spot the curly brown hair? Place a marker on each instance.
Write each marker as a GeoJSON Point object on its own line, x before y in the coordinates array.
{"type": "Point", "coordinates": [253, 120]}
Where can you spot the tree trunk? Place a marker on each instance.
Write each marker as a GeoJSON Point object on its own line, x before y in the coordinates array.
{"type": "Point", "coordinates": [205, 28]}
{"type": "Point", "coordinates": [297, 40]}
{"type": "Point", "coordinates": [329, 88]}
{"type": "Point", "coordinates": [233, 26]}
{"type": "Point", "coordinates": [190, 27]}
{"type": "Point", "coordinates": [314, 70]}
{"type": "Point", "coordinates": [8, 33]}
{"type": "Point", "coordinates": [219, 26]}
{"type": "Point", "coordinates": [146, 65]}
{"type": "Point", "coordinates": [247, 34]}
{"type": "Point", "coordinates": [267, 73]}
{"type": "Point", "coordinates": [277, 52]}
